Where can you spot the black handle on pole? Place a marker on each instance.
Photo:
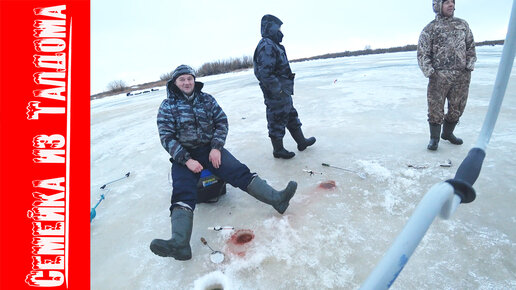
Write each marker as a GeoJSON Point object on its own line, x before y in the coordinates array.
{"type": "Point", "coordinates": [467, 174]}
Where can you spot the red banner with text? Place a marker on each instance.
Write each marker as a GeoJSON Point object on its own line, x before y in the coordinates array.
{"type": "Point", "coordinates": [45, 143]}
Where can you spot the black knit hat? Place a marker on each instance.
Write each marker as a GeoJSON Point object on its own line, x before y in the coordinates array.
{"type": "Point", "coordinates": [182, 70]}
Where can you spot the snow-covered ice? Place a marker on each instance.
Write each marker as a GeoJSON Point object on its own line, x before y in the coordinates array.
{"type": "Point", "coordinates": [368, 114]}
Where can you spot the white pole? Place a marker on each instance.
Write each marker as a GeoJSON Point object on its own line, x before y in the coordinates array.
{"type": "Point", "coordinates": [399, 253]}
{"type": "Point", "coordinates": [502, 78]}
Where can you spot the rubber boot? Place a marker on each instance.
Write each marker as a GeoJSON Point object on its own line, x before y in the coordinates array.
{"type": "Point", "coordinates": [448, 133]}
{"type": "Point", "coordinates": [178, 247]}
{"type": "Point", "coordinates": [435, 131]}
{"type": "Point", "coordinates": [279, 151]}
{"type": "Point", "coordinates": [259, 189]}
{"type": "Point", "coordinates": [300, 139]}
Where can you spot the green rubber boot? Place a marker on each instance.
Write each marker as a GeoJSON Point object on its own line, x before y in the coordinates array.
{"type": "Point", "coordinates": [178, 247]}
{"type": "Point", "coordinates": [259, 189]}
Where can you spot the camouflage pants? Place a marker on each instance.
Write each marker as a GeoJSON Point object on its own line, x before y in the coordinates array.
{"type": "Point", "coordinates": [447, 85]}
{"type": "Point", "coordinates": [281, 114]}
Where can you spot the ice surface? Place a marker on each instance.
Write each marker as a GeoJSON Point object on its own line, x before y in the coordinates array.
{"type": "Point", "coordinates": [369, 115]}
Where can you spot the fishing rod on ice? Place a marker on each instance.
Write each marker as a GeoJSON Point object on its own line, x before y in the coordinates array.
{"type": "Point", "coordinates": [93, 212]}
{"type": "Point", "coordinates": [361, 174]}
{"type": "Point", "coordinates": [444, 198]}
{"type": "Point", "coordinates": [126, 176]}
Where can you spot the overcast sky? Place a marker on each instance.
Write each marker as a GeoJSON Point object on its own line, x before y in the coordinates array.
{"type": "Point", "coordinates": [139, 40]}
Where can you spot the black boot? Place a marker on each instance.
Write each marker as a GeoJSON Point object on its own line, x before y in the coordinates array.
{"type": "Point", "coordinates": [448, 133]}
{"type": "Point", "coordinates": [178, 247]}
{"type": "Point", "coordinates": [435, 131]}
{"type": "Point", "coordinates": [279, 151]}
{"type": "Point", "coordinates": [259, 189]}
{"type": "Point", "coordinates": [302, 143]}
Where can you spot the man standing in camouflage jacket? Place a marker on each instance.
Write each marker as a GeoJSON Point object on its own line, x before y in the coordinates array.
{"type": "Point", "coordinates": [193, 128]}
{"type": "Point", "coordinates": [272, 69]}
{"type": "Point", "coordinates": [446, 55]}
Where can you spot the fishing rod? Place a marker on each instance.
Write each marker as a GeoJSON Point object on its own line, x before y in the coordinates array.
{"type": "Point", "coordinates": [362, 175]}
{"type": "Point", "coordinates": [125, 176]}
{"type": "Point", "coordinates": [93, 212]}
{"type": "Point", "coordinates": [220, 228]}
{"type": "Point", "coordinates": [444, 198]}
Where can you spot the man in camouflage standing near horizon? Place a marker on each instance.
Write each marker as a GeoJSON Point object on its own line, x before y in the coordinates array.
{"type": "Point", "coordinates": [446, 55]}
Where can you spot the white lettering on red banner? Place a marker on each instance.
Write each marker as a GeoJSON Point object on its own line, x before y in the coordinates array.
{"type": "Point", "coordinates": [49, 209]}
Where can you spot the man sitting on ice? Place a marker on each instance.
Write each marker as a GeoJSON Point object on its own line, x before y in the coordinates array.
{"type": "Point", "coordinates": [193, 129]}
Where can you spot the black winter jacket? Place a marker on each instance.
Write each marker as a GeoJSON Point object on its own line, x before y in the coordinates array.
{"type": "Point", "coordinates": [271, 65]}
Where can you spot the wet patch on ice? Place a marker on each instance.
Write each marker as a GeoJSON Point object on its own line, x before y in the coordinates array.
{"type": "Point", "coordinates": [240, 242]}
{"type": "Point", "coordinates": [328, 184]}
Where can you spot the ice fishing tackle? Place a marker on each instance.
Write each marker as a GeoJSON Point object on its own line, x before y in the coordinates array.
{"type": "Point", "coordinates": [93, 212]}
{"type": "Point", "coordinates": [361, 174]}
{"type": "Point", "coordinates": [216, 257]}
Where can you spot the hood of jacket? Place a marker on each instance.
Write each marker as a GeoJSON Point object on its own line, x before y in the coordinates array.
{"type": "Point", "coordinates": [174, 92]}
{"type": "Point", "coordinates": [438, 6]}
{"type": "Point", "coordinates": [270, 28]}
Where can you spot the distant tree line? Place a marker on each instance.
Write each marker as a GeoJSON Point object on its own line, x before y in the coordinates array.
{"type": "Point", "coordinates": [218, 67]}
{"type": "Point", "coordinates": [410, 47]}
{"type": "Point", "coordinates": [117, 86]}
{"type": "Point", "coordinates": [225, 66]}
{"type": "Point", "coordinates": [245, 62]}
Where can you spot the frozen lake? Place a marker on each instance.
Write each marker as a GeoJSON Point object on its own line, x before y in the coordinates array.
{"type": "Point", "coordinates": [368, 114]}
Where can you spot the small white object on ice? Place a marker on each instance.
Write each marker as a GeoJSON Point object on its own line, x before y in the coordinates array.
{"type": "Point", "coordinates": [446, 163]}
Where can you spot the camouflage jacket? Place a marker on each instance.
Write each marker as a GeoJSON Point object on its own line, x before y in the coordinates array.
{"type": "Point", "coordinates": [446, 43]}
{"type": "Point", "coordinates": [271, 65]}
{"type": "Point", "coordinates": [184, 124]}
